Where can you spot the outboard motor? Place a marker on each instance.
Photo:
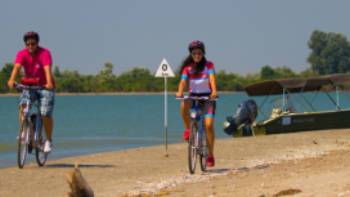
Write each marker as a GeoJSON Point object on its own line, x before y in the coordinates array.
{"type": "Point", "coordinates": [245, 115]}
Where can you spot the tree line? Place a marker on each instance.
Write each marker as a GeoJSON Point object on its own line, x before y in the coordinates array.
{"type": "Point", "coordinates": [330, 53]}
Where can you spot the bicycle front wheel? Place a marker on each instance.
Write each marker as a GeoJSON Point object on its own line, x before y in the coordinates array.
{"type": "Point", "coordinates": [23, 142]}
{"type": "Point", "coordinates": [40, 155]}
{"type": "Point", "coordinates": [203, 156]}
{"type": "Point", "coordinates": [192, 148]}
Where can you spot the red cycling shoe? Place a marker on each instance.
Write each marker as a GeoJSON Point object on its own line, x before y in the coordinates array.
{"type": "Point", "coordinates": [210, 161]}
{"type": "Point", "coordinates": [186, 135]}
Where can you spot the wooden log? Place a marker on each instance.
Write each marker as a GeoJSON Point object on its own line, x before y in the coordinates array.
{"type": "Point", "coordinates": [78, 185]}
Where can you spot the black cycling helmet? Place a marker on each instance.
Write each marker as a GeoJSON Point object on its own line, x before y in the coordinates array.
{"type": "Point", "coordinates": [196, 44]}
{"type": "Point", "coordinates": [31, 35]}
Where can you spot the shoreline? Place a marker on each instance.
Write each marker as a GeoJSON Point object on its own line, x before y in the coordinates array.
{"type": "Point", "coordinates": [63, 156]}
{"type": "Point", "coordinates": [112, 93]}
{"type": "Point", "coordinates": [306, 162]}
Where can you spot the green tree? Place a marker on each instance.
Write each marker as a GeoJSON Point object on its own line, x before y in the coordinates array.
{"type": "Point", "coordinates": [330, 53]}
{"type": "Point", "coordinates": [141, 79]}
{"type": "Point", "coordinates": [56, 72]}
{"type": "Point", "coordinates": [138, 79]}
{"type": "Point", "coordinates": [7, 69]}
{"type": "Point", "coordinates": [267, 73]}
{"type": "Point", "coordinates": [107, 71]}
{"type": "Point", "coordinates": [3, 83]}
{"type": "Point", "coordinates": [5, 74]}
{"type": "Point", "coordinates": [70, 81]}
{"type": "Point", "coordinates": [106, 80]}
{"type": "Point", "coordinates": [284, 72]}
{"type": "Point", "coordinates": [228, 81]}
{"type": "Point", "coordinates": [307, 73]}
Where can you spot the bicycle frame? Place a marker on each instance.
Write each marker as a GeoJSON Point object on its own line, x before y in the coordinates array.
{"type": "Point", "coordinates": [27, 113]}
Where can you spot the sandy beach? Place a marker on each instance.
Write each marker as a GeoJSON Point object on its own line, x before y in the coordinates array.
{"type": "Point", "coordinates": [300, 164]}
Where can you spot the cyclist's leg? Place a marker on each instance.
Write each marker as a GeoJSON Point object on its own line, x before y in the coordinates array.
{"type": "Point", "coordinates": [185, 113]}
{"type": "Point", "coordinates": [185, 109]}
{"type": "Point", "coordinates": [46, 102]}
{"type": "Point", "coordinates": [209, 129]}
{"type": "Point", "coordinates": [209, 118]}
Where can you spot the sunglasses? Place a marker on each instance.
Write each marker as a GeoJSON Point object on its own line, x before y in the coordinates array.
{"type": "Point", "coordinates": [31, 44]}
{"type": "Point", "coordinates": [197, 53]}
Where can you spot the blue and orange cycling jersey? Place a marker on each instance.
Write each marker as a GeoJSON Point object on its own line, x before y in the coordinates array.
{"type": "Point", "coordinates": [199, 82]}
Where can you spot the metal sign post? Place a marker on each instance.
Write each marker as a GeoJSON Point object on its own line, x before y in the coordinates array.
{"type": "Point", "coordinates": [165, 71]}
{"type": "Point", "coordinates": [166, 113]}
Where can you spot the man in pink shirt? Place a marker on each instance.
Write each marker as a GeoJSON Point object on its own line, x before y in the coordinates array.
{"type": "Point", "coordinates": [37, 64]}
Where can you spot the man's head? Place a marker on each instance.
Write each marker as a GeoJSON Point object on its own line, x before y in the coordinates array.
{"type": "Point", "coordinates": [31, 40]}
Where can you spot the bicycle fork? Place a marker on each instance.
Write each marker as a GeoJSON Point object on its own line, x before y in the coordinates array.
{"type": "Point", "coordinates": [200, 141]}
{"type": "Point", "coordinates": [23, 117]}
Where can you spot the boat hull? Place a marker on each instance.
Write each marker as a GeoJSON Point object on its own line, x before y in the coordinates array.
{"type": "Point", "coordinates": [297, 122]}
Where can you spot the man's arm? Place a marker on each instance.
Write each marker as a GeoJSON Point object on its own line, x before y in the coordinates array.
{"type": "Point", "coordinates": [48, 75]}
{"type": "Point", "coordinates": [13, 76]}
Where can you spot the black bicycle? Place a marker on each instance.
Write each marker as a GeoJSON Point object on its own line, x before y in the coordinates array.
{"type": "Point", "coordinates": [30, 132]}
{"type": "Point", "coordinates": [197, 142]}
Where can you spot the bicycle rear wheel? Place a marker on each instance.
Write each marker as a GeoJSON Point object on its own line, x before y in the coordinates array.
{"type": "Point", "coordinates": [40, 155]}
{"type": "Point", "coordinates": [192, 149]}
{"type": "Point", "coordinates": [22, 143]}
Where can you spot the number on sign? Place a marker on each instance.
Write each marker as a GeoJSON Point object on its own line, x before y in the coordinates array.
{"type": "Point", "coordinates": [164, 67]}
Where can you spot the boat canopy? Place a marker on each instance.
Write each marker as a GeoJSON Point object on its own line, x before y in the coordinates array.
{"type": "Point", "coordinates": [297, 85]}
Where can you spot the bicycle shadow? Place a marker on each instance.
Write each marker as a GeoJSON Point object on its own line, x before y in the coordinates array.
{"type": "Point", "coordinates": [68, 165]}
{"type": "Point", "coordinates": [238, 169]}
{"type": "Point", "coordinates": [217, 171]}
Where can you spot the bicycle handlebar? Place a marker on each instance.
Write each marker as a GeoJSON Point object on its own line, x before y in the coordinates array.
{"type": "Point", "coordinates": [20, 87]}
{"type": "Point", "coordinates": [198, 98]}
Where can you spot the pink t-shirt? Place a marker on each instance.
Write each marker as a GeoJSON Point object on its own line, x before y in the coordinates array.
{"type": "Point", "coordinates": [199, 82]}
{"type": "Point", "coordinates": [34, 65]}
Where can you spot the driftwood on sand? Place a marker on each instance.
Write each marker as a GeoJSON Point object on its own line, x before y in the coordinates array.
{"type": "Point", "coordinates": [78, 185]}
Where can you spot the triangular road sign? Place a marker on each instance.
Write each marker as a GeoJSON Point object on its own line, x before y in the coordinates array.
{"type": "Point", "coordinates": [164, 70]}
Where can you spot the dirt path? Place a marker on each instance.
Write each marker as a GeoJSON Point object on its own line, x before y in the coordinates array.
{"type": "Point", "coordinates": [308, 164]}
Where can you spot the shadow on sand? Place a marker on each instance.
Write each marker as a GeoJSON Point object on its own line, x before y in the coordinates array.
{"type": "Point", "coordinates": [67, 165]}
{"type": "Point", "coordinates": [218, 171]}
{"type": "Point", "coordinates": [239, 169]}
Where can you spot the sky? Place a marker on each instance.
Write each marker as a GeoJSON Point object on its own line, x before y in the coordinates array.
{"type": "Point", "coordinates": [240, 36]}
